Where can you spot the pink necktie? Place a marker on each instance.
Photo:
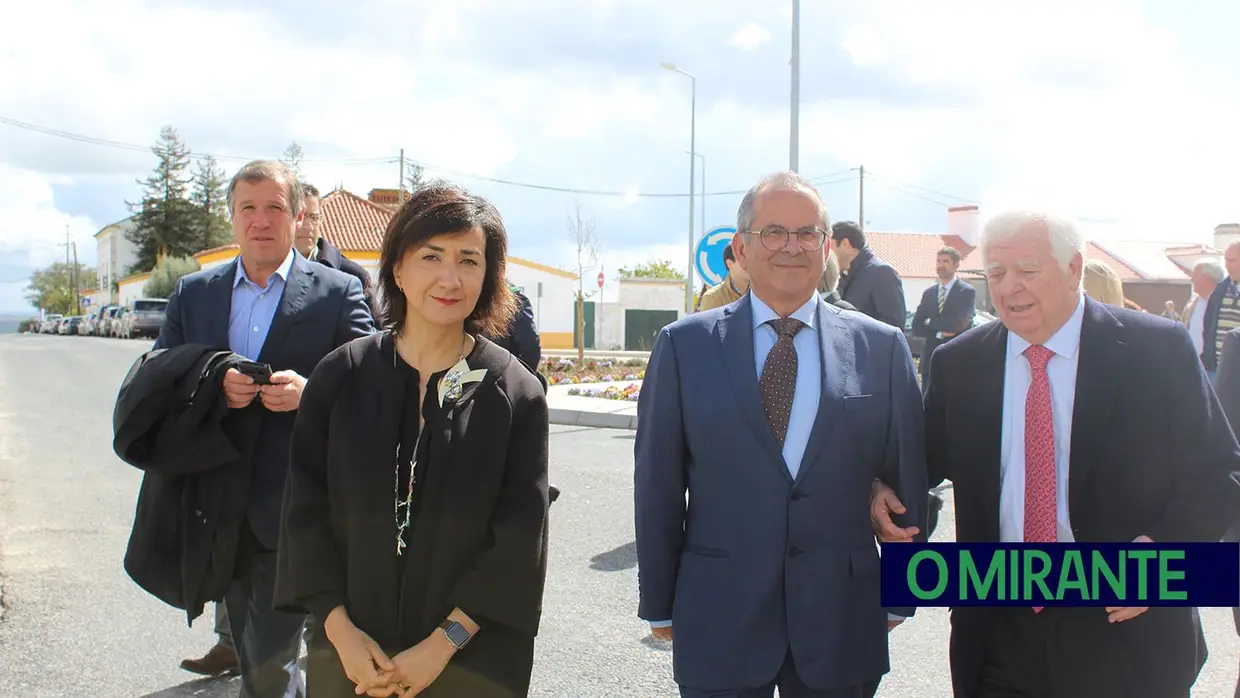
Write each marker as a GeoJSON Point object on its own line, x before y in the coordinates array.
{"type": "Point", "coordinates": [1040, 525]}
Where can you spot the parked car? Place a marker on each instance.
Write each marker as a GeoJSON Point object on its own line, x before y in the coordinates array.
{"type": "Point", "coordinates": [48, 326]}
{"type": "Point", "coordinates": [70, 325]}
{"type": "Point", "coordinates": [145, 317]}
{"type": "Point", "coordinates": [116, 326]}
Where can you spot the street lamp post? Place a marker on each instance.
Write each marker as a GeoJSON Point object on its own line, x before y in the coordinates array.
{"type": "Point", "coordinates": [703, 159]}
{"type": "Point", "coordinates": [795, 120]}
{"type": "Point", "coordinates": [692, 178]}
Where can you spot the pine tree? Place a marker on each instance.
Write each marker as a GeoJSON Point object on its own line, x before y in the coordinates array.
{"type": "Point", "coordinates": [292, 157]}
{"type": "Point", "coordinates": [166, 223]}
{"type": "Point", "coordinates": [209, 194]}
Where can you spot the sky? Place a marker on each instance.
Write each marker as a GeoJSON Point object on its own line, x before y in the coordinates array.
{"type": "Point", "coordinates": [1120, 112]}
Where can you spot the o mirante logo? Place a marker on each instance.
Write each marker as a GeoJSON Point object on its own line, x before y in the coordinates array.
{"type": "Point", "coordinates": [1061, 574]}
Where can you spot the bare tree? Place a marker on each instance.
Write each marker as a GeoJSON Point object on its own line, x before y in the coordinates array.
{"type": "Point", "coordinates": [293, 157]}
{"type": "Point", "coordinates": [583, 230]}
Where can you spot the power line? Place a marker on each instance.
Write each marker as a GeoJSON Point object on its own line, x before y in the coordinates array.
{"type": "Point", "coordinates": [829, 178]}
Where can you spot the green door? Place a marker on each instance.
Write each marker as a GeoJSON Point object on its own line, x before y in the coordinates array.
{"type": "Point", "coordinates": [641, 326]}
{"type": "Point", "coordinates": [588, 310]}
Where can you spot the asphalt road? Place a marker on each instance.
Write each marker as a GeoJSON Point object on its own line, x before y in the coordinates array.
{"type": "Point", "coordinates": [74, 624]}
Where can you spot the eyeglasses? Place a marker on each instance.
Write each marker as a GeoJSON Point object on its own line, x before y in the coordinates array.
{"type": "Point", "coordinates": [775, 237]}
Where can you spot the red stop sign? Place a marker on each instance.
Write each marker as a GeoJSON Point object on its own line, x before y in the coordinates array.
{"type": "Point", "coordinates": [600, 279]}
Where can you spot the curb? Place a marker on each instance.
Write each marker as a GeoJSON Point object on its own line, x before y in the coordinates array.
{"type": "Point", "coordinates": [598, 420]}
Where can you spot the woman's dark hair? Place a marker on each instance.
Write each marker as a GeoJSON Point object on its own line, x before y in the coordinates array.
{"type": "Point", "coordinates": [441, 208]}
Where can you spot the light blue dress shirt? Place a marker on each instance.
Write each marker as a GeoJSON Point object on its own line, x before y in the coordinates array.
{"type": "Point", "coordinates": [253, 309]}
{"type": "Point", "coordinates": [808, 389]}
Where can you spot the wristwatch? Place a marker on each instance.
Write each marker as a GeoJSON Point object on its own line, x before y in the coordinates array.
{"type": "Point", "coordinates": [456, 633]}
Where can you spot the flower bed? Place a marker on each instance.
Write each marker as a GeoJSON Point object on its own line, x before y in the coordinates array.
{"type": "Point", "coordinates": [567, 371]}
{"type": "Point", "coordinates": [629, 392]}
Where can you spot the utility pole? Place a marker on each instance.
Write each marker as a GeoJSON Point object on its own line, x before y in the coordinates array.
{"type": "Point", "coordinates": [77, 283]}
{"type": "Point", "coordinates": [69, 249]}
{"type": "Point", "coordinates": [402, 176]}
{"type": "Point", "coordinates": [861, 200]}
{"type": "Point", "coordinates": [794, 136]}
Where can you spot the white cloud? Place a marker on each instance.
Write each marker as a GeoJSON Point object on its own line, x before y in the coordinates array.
{"type": "Point", "coordinates": [1086, 105]}
{"type": "Point", "coordinates": [750, 37]}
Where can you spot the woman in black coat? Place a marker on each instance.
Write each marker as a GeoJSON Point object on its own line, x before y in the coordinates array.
{"type": "Point", "coordinates": [415, 516]}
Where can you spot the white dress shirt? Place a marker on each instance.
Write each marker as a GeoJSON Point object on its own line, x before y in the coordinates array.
{"type": "Point", "coordinates": [1061, 372]}
{"type": "Point", "coordinates": [808, 389]}
{"type": "Point", "coordinates": [1196, 324]}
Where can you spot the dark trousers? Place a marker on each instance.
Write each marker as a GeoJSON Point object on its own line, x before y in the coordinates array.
{"type": "Point", "coordinates": [1058, 653]}
{"type": "Point", "coordinates": [267, 641]}
{"type": "Point", "coordinates": [789, 684]}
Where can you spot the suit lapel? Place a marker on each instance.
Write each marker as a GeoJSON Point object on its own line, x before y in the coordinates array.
{"type": "Point", "coordinates": [219, 296]}
{"type": "Point", "coordinates": [735, 333]}
{"type": "Point", "coordinates": [838, 369]}
{"type": "Point", "coordinates": [291, 302]}
{"type": "Point", "coordinates": [1102, 350]}
{"type": "Point", "coordinates": [985, 398]}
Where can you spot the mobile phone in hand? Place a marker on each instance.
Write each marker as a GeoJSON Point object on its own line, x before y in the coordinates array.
{"type": "Point", "coordinates": [261, 373]}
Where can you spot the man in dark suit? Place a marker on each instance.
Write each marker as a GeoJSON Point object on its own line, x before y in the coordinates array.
{"type": "Point", "coordinates": [310, 242]}
{"type": "Point", "coordinates": [1227, 386]}
{"type": "Point", "coordinates": [946, 308]}
{"type": "Point", "coordinates": [522, 339]}
{"type": "Point", "coordinates": [872, 285]}
{"type": "Point", "coordinates": [1067, 421]}
{"type": "Point", "coordinates": [272, 306]}
{"type": "Point", "coordinates": [775, 414]}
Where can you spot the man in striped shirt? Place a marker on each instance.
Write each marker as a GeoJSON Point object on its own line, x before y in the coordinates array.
{"type": "Point", "coordinates": [1222, 311]}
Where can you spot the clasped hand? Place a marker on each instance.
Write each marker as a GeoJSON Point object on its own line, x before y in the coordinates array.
{"type": "Point", "coordinates": [283, 395]}
{"type": "Point", "coordinates": [405, 675]}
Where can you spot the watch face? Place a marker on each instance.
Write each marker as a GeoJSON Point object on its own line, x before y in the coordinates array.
{"type": "Point", "coordinates": [457, 635]}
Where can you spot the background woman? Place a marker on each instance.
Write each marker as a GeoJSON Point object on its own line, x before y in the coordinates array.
{"type": "Point", "coordinates": [415, 517]}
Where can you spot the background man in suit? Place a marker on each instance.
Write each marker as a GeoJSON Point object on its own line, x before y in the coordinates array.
{"type": "Point", "coordinates": [272, 306]}
{"type": "Point", "coordinates": [775, 414]}
{"type": "Point", "coordinates": [1105, 429]}
{"type": "Point", "coordinates": [310, 242]}
{"type": "Point", "coordinates": [946, 308]}
{"type": "Point", "coordinates": [872, 285]}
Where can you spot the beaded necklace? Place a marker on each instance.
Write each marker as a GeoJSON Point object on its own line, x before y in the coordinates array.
{"type": "Point", "coordinates": [404, 506]}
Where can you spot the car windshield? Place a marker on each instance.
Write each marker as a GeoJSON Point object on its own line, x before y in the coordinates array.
{"type": "Point", "coordinates": [157, 306]}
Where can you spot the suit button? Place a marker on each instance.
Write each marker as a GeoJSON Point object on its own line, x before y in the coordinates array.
{"type": "Point", "coordinates": [794, 551]}
{"type": "Point", "coordinates": [796, 496]}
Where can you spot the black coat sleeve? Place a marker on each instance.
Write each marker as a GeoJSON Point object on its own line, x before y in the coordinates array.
{"type": "Point", "coordinates": [1206, 500]}
{"type": "Point", "coordinates": [1227, 381]}
{"type": "Point", "coordinates": [504, 582]}
{"type": "Point", "coordinates": [171, 332]}
{"type": "Point", "coordinates": [525, 335]}
{"type": "Point", "coordinates": [310, 571]}
{"type": "Point", "coordinates": [888, 296]}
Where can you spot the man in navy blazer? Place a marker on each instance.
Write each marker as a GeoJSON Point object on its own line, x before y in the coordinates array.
{"type": "Point", "coordinates": [273, 306]}
{"type": "Point", "coordinates": [775, 415]}
{"type": "Point", "coordinates": [946, 308]}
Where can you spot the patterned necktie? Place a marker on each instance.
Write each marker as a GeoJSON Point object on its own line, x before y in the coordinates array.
{"type": "Point", "coordinates": [779, 376]}
{"type": "Point", "coordinates": [942, 297]}
{"type": "Point", "coordinates": [1040, 518]}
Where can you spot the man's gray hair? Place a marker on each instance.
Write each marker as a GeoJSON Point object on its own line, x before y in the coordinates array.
{"type": "Point", "coordinates": [748, 210]}
{"type": "Point", "coordinates": [1211, 268]}
{"type": "Point", "coordinates": [1067, 241]}
{"type": "Point", "coordinates": [269, 170]}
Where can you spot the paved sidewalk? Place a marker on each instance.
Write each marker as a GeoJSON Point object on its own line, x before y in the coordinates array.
{"type": "Point", "coordinates": [577, 410]}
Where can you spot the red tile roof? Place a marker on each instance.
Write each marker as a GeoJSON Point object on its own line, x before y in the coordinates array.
{"type": "Point", "coordinates": [352, 223]}
{"type": "Point", "coordinates": [1126, 273]}
{"type": "Point", "coordinates": [912, 254]}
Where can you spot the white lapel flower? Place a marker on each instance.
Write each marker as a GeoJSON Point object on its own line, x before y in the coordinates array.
{"type": "Point", "coordinates": [454, 381]}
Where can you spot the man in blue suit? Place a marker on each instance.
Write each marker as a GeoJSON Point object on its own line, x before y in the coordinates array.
{"type": "Point", "coordinates": [775, 415]}
{"type": "Point", "coordinates": [272, 306]}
